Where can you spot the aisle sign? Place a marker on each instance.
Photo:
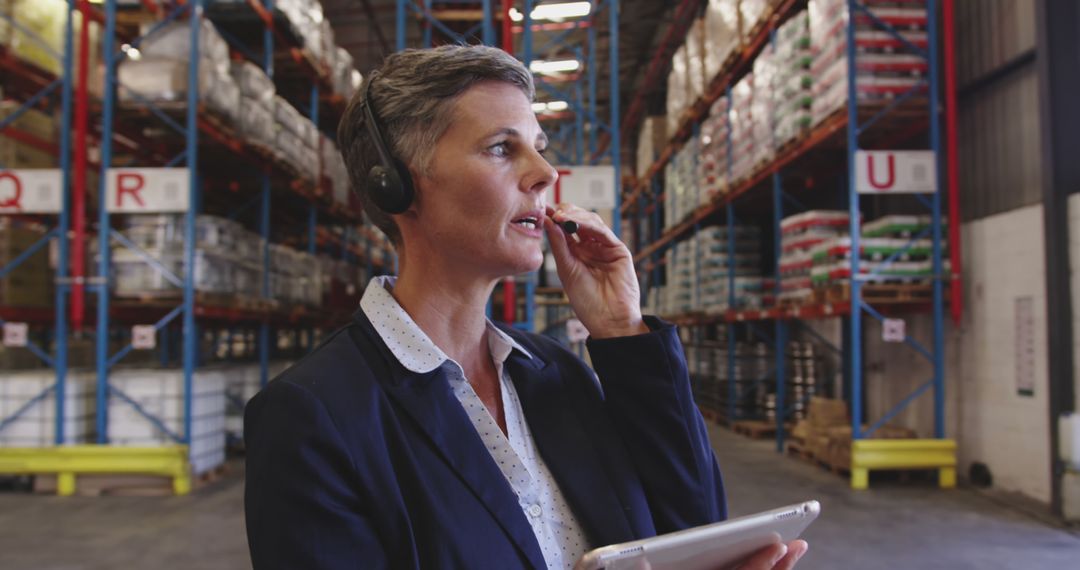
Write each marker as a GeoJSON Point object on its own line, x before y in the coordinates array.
{"type": "Point", "coordinates": [893, 330]}
{"type": "Point", "coordinates": [31, 191]}
{"type": "Point", "coordinates": [147, 190]}
{"type": "Point", "coordinates": [590, 187]}
{"type": "Point", "coordinates": [895, 172]}
{"type": "Point", "coordinates": [16, 334]}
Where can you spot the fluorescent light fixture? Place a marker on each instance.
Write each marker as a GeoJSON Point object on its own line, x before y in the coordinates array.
{"type": "Point", "coordinates": [132, 53]}
{"type": "Point", "coordinates": [554, 66]}
{"type": "Point", "coordinates": [554, 12]}
{"type": "Point", "coordinates": [550, 107]}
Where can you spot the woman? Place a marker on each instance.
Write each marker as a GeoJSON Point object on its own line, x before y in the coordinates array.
{"type": "Point", "coordinates": [424, 436]}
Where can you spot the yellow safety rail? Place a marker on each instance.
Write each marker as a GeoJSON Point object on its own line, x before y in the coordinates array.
{"type": "Point", "coordinates": [896, 454]}
{"type": "Point", "coordinates": [68, 461]}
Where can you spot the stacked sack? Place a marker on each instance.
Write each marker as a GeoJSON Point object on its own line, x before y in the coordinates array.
{"type": "Point", "coordinates": [715, 149]}
{"type": "Point", "coordinates": [743, 128]}
{"type": "Point", "coordinates": [256, 121]}
{"type": "Point", "coordinates": [722, 34]}
{"type": "Point", "coordinates": [885, 69]}
{"type": "Point", "coordinates": [761, 106]}
{"type": "Point", "coordinates": [716, 266]}
{"type": "Point", "coordinates": [792, 96]}
{"type": "Point", "coordinates": [682, 193]}
{"type": "Point", "coordinates": [295, 276]}
{"type": "Point", "coordinates": [891, 237]}
{"type": "Point", "coordinates": [161, 74]}
{"type": "Point", "coordinates": [799, 235]}
{"type": "Point", "coordinates": [296, 138]}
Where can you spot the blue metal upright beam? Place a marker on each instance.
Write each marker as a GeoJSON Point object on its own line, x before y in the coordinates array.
{"type": "Point", "coordinates": [780, 336]}
{"type": "Point", "coordinates": [939, 269]}
{"type": "Point", "coordinates": [62, 286]}
{"type": "Point", "coordinates": [264, 210]}
{"type": "Point", "coordinates": [855, 344]}
{"type": "Point", "coordinates": [613, 96]}
{"type": "Point", "coordinates": [190, 330]}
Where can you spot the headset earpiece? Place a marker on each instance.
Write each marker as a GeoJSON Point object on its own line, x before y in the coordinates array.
{"type": "Point", "coordinates": [389, 184]}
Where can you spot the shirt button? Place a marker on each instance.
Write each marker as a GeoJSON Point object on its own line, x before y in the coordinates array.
{"type": "Point", "coordinates": [535, 511]}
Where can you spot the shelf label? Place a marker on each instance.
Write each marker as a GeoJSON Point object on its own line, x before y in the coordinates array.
{"type": "Point", "coordinates": [147, 190]}
{"type": "Point", "coordinates": [893, 330]}
{"type": "Point", "coordinates": [895, 172]}
{"type": "Point", "coordinates": [590, 187]}
{"type": "Point", "coordinates": [16, 334]}
{"type": "Point", "coordinates": [31, 191]}
{"type": "Point", "coordinates": [143, 337]}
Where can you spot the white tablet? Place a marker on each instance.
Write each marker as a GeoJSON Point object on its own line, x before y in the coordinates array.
{"type": "Point", "coordinates": [706, 547]}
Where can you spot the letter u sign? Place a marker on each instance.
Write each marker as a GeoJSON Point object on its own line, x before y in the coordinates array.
{"type": "Point", "coordinates": [896, 172]}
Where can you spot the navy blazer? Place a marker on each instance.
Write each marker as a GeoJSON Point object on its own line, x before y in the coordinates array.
{"type": "Point", "coordinates": [353, 461]}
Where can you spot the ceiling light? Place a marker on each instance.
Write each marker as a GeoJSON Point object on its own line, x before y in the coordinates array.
{"type": "Point", "coordinates": [554, 12]}
{"type": "Point", "coordinates": [557, 106]}
{"type": "Point", "coordinates": [554, 66]}
{"type": "Point", "coordinates": [132, 53]}
{"type": "Point", "coordinates": [539, 107]}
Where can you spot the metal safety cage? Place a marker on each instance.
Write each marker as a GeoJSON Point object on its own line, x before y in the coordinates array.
{"type": "Point", "coordinates": [39, 88]}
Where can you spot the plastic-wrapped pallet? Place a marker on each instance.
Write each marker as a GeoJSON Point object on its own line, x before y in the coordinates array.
{"type": "Point", "coordinates": [173, 42]}
{"type": "Point", "coordinates": [256, 123]}
{"type": "Point", "coordinates": [651, 139]}
{"type": "Point", "coordinates": [681, 191]}
{"type": "Point", "coordinates": [696, 82]}
{"type": "Point", "coordinates": [160, 393]}
{"type": "Point", "coordinates": [889, 238]}
{"type": "Point", "coordinates": [342, 72]}
{"type": "Point", "coordinates": [166, 80]}
{"type": "Point", "coordinates": [742, 126]}
{"type": "Point", "coordinates": [761, 105]}
{"type": "Point", "coordinates": [716, 265]}
{"type": "Point", "coordinates": [36, 426]}
{"type": "Point", "coordinates": [242, 382]}
{"type": "Point", "coordinates": [792, 96]}
{"type": "Point", "coordinates": [715, 138]}
{"type": "Point", "coordinates": [800, 234]}
{"type": "Point", "coordinates": [678, 99]}
{"type": "Point", "coordinates": [885, 69]}
{"type": "Point", "coordinates": [253, 82]}
{"type": "Point", "coordinates": [753, 14]}
{"type": "Point", "coordinates": [721, 34]}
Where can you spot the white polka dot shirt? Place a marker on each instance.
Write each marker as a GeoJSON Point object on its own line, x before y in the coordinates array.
{"type": "Point", "coordinates": [561, 538]}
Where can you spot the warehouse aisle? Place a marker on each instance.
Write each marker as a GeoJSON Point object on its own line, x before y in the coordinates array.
{"type": "Point", "coordinates": [891, 526]}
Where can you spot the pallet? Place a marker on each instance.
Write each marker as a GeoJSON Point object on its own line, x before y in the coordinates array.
{"type": "Point", "coordinates": [171, 297]}
{"type": "Point", "coordinates": [883, 293]}
{"type": "Point", "coordinates": [128, 485]}
{"type": "Point", "coordinates": [754, 429]}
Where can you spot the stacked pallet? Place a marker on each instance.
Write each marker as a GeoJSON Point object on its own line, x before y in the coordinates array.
{"type": "Point", "coordinates": [825, 435]}
{"type": "Point", "coordinates": [792, 96]}
{"type": "Point", "coordinates": [800, 234]}
{"type": "Point", "coordinates": [27, 394]}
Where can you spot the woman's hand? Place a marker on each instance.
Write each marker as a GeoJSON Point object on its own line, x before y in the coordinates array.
{"type": "Point", "coordinates": [597, 273]}
{"type": "Point", "coordinates": [776, 557]}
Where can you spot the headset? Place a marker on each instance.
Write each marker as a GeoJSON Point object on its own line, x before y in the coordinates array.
{"type": "Point", "coordinates": [389, 183]}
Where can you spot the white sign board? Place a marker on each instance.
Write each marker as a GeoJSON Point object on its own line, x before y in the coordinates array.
{"type": "Point", "coordinates": [31, 191]}
{"type": "Point", "coordinates": [143, 337]}
{"type": "Point", "coordinates": [893, 330]}
{"type": "Point", "coordinates": [147, 190]}
{"type": "Point", "coordinates": [576, 331]}
{"type": "Point", "coordinates": [895, 172]}
{"type": "Point", "coordinates": [16, 334]}
{"type": "Point", "coordinates": [590, 187]}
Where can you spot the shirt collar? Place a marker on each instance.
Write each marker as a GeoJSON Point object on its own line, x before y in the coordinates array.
{"type": "Point", "coordinates": [413, 348]}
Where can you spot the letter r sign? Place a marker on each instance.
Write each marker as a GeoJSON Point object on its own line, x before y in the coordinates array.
{"type": "Point", "coordinates": [147, 190]}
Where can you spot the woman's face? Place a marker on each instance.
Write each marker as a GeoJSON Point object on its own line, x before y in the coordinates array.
{"type": "Point", "coordinates": [481, 204]}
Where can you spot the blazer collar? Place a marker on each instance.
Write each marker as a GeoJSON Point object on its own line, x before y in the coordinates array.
{"type": "Point", "coordinates": [428, 399]}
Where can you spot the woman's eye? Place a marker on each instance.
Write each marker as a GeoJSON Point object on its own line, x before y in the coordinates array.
{"type": "Point", "coordinates": [543, 151]}
{"type": "Point", "coordinates": [500, 149]}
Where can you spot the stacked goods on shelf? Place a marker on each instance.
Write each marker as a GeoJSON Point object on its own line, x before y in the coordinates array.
{"type": "Point", "coordinates": [715, 147]}
{"type": "Point", "coordinates": [160, 393]}
{"type": "Point", "coordinates": [256, 121]}
{"type": "Point", "coordinates": [678, 99]}
{"type": "Point", "coordinates": [242, 382]}
{"type": "Point", "coordinates": [894, 238]}
{"type": "Point", "coordinates": [753, 14]}
{"type": "Point", "coordinates": [792, 96]}
{"type": "Point", "coordinates": [17, 154]}
{"type": "Point", "coordinates": [346, 80]}
{"type": "Point", "coordinates": [46, 20]}
{"type": "Point", "coordinates": [36, 425]}
{"type": "Point", "coordinates": [228, 258]}
{"type": "Point", "coordinates": [695, 61]}
{"type": "Point", "coordinates": [761, 106]}
{"type": "Point", "coordinates": [721, 35]}
{"type": "Point", "coordinates": [885, 69]}
{"type": "Point", "coordinates": [825, 434]}
{"type": "Point", "coordinates": [681, 277]}
{"type": "Point", "coordinates": [682, 193]}
{"type": "Point", "coordinates": [800, 234]}
{"type": "Point", "coordinates": [160, 75]}
{"type": "Point", "coordinates": [31, 283]}
{"type": "Point", "coordinates": [741, 122]}
{"type": "Point", "coordinates": [297, 138]}
{"type": "Point", "coordinates": [802, 381]}
{"type": "Point", "coordinates": [716, 267]}
{"type": "Point", "coordinates": [295, 276]}
{"type": "Point", "coordinates": [334, 170]}
{"type": "Point", "coordinates": [651, 140]}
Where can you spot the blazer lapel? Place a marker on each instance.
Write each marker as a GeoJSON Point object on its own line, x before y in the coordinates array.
{"type": "Point", "coordinates": [568, 449]}
{"type": "Point", "coordinates": [430, 402]}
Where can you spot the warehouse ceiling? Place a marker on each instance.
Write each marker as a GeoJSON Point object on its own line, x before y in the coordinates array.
{"type": "Point", "coordinates": [367, 29]}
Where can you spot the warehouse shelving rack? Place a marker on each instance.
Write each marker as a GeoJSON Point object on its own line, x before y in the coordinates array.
{"type": "Point", "coordinates": [37, 87]}
{"type": "Point", "coordinates": [197, 135]}
{"type": "Point", "coordinates": [857, 126]}
{"type": "Point", "coordinates": [578, 129]}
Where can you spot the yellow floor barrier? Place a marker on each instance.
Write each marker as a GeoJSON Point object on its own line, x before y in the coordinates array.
{"type": "Point", "coordinates": [895, 454]}
{"type": "Point", "coordinates": [68, 461]}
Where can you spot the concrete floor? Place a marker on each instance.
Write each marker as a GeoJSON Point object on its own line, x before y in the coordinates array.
{"type": "Point", "coordinates": [889, 526]}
